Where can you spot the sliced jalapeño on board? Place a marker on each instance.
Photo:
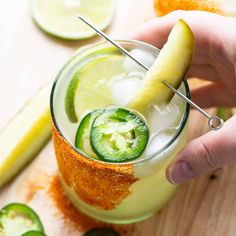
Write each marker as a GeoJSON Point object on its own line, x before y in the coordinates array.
{"type": "Point", "coordinates": [17, 219]}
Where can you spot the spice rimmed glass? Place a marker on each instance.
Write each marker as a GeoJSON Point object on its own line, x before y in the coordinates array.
{"type": "Point", "coordinates": [112, 192]}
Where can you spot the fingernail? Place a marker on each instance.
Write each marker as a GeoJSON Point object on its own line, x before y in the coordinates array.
{"type": "Point", "coordinates": [179, 172]}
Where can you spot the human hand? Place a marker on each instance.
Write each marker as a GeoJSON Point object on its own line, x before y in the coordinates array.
{"type": "Point", "coordinates": [214, 60]}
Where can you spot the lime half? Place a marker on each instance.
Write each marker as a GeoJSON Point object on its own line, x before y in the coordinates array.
{"type": "Point", "coordinates": [90, 88]}
{"type": "Point", "coordinates": [57, 17]}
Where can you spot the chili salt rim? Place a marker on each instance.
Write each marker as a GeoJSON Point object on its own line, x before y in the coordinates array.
{"type": "Point", "coordinates": [138, 161]}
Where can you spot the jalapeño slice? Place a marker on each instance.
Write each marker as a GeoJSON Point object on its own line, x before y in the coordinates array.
{"type": "Point", "coordinates": [17, 219]}
{"type": "Point", "coordinates": [82, 138]}
{"type": "Point", "coordinates": [118, 135]}
{"type": "Point", "coordinates": [101, 232]}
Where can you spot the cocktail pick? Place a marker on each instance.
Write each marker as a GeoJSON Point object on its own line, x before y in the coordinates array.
{"type": "Point", "coordinates": [214, 122]}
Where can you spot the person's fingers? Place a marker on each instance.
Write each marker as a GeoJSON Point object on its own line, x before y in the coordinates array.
{"type": "Point", "coordinates": [154, 32]}
{"type": "Point", "coordinates": [202, 24]}
{"type": "Point", "coordinates": [201, 59]}
{"type": "Point", "coordinates": [212, 95]}
{"type": "Point", "coordinates": [206, 72]}
{"type": "Point", "coordinates": [206, 153]}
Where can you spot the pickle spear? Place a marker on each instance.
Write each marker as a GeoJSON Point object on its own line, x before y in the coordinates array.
{"type": "Point", "coordinates": [171, 66]}
{"type": "Point", "coordinates": [25, 135]}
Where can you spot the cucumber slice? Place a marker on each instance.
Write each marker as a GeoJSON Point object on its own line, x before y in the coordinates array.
{"type": "Point", "coordinates": [17, 219]}
{"type": "Point", "coordinates": [57, 17]}
{"type": "Point", "coordinates": [171, 66]}
{"type": "Point", "coordinates": [25, 135]}
{"type": "Point", "coordinates": [118, 135]}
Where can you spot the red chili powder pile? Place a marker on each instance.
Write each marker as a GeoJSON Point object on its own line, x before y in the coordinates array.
{"type": "Point", "coordinates": [80, 221]}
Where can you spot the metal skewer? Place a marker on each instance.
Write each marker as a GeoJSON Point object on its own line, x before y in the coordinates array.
{"type": "Point", "coordinates": [214, 122]}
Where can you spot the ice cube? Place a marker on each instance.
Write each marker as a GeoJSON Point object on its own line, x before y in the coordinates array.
{"type": "Point", "coordinates": [146, 58]}
{"type": "Point", "coordinates": [163, 116]}
{"type": "Point", "coordinates": [158, 141]}
{"type": "Point", "coordinates": [124, 90]}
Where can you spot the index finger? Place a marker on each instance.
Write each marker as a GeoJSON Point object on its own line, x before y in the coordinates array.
{"type": "Point", "coordinates": [203, 25]}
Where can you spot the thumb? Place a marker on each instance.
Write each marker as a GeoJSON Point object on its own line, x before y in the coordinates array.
{"type": "Point", "coordinates": [205, 153]}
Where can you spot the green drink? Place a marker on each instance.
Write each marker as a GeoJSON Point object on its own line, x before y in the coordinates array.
{"type": "Point", "coordinates": [100, 79]}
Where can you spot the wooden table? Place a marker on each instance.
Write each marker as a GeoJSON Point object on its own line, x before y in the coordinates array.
{"type": "Point", "coordinates": [29, 58]}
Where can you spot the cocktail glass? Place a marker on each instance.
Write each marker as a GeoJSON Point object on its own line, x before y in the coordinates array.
{"type": "Point", "coordinates": [117, 193]}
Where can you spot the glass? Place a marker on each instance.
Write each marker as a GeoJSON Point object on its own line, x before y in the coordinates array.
{"type": "Point", "coordinates": [116, 193]}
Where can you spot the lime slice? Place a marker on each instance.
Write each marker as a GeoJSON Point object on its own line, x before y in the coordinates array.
{"type": "Point", "coordinates": [224, 112]}
{"type": "Point", "coordinates": [171, 66]}
{"type": "Point", "coordinates": [57, 17]}
{"type": "Point", "coordinates": [90, 88]}
{"type": "Point", "coordinates": [70, 97]}
{"type": "Point", "coordinates": [24, 136]}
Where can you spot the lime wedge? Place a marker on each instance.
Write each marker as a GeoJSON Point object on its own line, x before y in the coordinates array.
{"type": "Point", "coordinates": [24, 136]}
{"type": "Point", "coordinates": [224, 112]}
{"type": "Point", "coordinates": [57, 17]}
{"type": "Point", "coordinates": [171, 66]}
{"type": "Point", "coordinates": [90, 88]}
{"type": "Point", "coordinates": [70, 98]}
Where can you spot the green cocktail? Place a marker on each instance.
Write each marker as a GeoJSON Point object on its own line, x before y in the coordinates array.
{"type": "Point", "coordinates": [112, 147]}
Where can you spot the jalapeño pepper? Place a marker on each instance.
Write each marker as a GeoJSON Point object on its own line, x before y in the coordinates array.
{"type": "Point", "coordinates": [17, 219]}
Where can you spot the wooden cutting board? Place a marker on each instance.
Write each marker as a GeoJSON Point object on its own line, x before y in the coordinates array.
{"type": "Point", "coordinates": [203, 207]}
